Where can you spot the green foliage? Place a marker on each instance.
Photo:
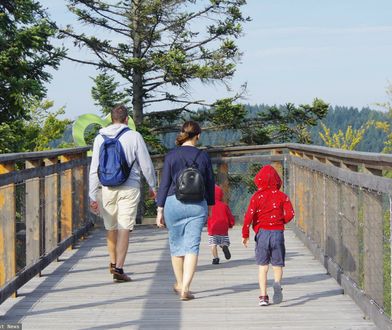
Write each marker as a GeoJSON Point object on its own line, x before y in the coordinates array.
{"type": "Point", "coordinates": [225, 113]}
{"type": "Point", "coordinates": [151, 139]}
{"type": "Point", "coordinates": [106, 94]}
{"type": "Point", "coordinates": [339, 118]}
{"type": "Point", "coordinates": [157, 45]}
{"type": "Point", "coordinates": [350, 139]}
{"type": "Point", "coordinates": [35, 134]}
{"type": "Point", "coordinates": [25, 54]}
{"type": "Point", "coordinates": [284, 124]}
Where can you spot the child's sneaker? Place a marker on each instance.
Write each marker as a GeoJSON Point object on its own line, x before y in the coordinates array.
{"type": "Point", "coordinates": [215, 261]}
{"type": "Point", "coordinates": [278, 295]}
{"type": "Point", "coordinates": [264, 300]}
{"type": "Point", "coordinates": [226, 251]}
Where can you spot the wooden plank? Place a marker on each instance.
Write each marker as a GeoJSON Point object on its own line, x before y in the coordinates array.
{"type": "Point", "coordinates": [23, 175]}
{"type": "Point", "coordinates": [224, 293]}
{"type": "Point", "coordinates": [13, 157]}
{"type": "Point", "coordinates": [30, 271]}
{"type": "Point", "coordinates": [51, 207]}
{"type": "Point", "coordinates": [66, 200]}
{"type": "Point", "coordinates": [365, 180]}
{"type": "Point", "coordinates": [7, 228]}
{"type": "Point", "coordinates": [222, 179]}
{"type": "Point", "coordinates": [78, 200]}
{"type": "Point", "coordinates": [33, 228]}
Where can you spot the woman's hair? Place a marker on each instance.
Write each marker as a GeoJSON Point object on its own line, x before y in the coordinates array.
{"type": "Point", "coordinates": [188, 131]}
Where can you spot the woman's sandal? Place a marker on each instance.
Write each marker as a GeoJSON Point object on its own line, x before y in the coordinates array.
{"type": "Point", "coordinates": [187, 296]}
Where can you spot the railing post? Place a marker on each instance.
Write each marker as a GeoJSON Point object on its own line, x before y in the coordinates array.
{"type": "Point", "coordinates": [223, 179]}
{"type": "Point", "coordinates": [78, 200]}
{"type": "Point", "coordinates": [33, 216]}
{"type": "Point", "coordinates": [7, 228]}
{"type": "Point", "coordinates": [66, 200]}
{"type": "Point", "coordinates": [51, 207]}
{"type": "Point", "coordinates": [278, 166]}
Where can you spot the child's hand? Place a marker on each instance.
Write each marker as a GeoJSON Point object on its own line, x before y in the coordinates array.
{"type": "Point", "coordinates": [245, 242]}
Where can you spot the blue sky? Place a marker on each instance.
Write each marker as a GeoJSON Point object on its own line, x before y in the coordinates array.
{"type": "Point", "coordinates": [293, 51]}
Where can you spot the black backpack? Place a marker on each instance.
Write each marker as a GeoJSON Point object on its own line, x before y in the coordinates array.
{"type": "Point", "coordinates": [190, 185]}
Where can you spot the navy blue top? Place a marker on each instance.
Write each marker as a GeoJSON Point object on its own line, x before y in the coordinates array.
{"type": "Point", "coordinates": [175, 163]}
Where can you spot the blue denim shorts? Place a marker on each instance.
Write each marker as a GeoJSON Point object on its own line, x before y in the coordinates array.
{"type": "Point", "coordinates": [270, 248]}
{"type": "Point", "coordinates": [185, 222]}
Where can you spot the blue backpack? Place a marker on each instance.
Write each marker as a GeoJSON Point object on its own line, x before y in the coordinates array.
{"type": "Point", "coordinates": [113, 169]}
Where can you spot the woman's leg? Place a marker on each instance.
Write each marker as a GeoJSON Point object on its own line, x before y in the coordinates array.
{"type": "Point", "coordinates": [190, 263]}
{"type": "Point", "coordinates": [178, 269]}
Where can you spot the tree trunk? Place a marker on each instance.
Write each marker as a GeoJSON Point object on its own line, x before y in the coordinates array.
{"type": "Point", "coordinates": [137, 75]}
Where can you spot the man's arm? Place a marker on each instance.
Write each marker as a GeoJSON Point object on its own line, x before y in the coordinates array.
{"type": "Point", "coordinates": [93, 176]}
{"type": "Point", "coordinates": [145, 162]}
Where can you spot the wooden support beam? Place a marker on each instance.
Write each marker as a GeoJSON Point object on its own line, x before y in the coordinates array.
{"type": "Point", "coordinates": [66, 200]}
{"type": "Point", "coordinates": [51, 207]}
{"type": "Point", "coordinates": [7, 228]}
{"type": "Point", "coordinates": [223, 180]}
{"type": "Point", "coordinates": [33, 227]}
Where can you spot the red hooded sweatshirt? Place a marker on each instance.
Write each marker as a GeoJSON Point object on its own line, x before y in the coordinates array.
{"type": "Point", "coordinates": [269, 208]}
{"type": "Point", "coordinates": [221, 218]}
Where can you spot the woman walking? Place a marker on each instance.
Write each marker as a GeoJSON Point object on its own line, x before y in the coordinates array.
{"type": "Point", "coordinates": [184, 219]}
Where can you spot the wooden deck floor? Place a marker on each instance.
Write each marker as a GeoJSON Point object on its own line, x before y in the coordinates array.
{"type": "Point", "coordinates": [78, 293]}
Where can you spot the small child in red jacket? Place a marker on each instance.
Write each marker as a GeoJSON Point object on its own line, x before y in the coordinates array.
{"type": "Point", "coordinates": [219, 222]}
{"type": "Point", "coordinates": [268, 212]}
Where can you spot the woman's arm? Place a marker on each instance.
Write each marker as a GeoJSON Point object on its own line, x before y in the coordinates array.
{"type": "Point", "coordinates": [210, 182]}
{"type": "Point", "coordinates": [165, 183]}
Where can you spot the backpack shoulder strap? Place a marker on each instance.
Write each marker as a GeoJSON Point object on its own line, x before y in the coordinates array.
{"type": "Point", "coordinates": [197, 155]}
{"type": "Point", "coordinates": [125, 129]}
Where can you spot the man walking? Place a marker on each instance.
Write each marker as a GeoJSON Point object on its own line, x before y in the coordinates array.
{"type": "Point", "coordinates": [121, 192]}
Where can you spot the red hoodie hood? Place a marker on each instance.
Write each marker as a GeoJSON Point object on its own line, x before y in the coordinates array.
{"type": "Point", "coordinates": [218, 193]}
{"type": "Point", "coordinates": [267, 178]}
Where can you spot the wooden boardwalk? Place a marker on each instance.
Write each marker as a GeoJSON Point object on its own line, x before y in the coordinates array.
{"type": "Point", "coordinates": [77, 292]}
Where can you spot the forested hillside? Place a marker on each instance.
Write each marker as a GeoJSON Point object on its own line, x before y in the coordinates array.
{"type": "Point", "coordinates": [337, 118]}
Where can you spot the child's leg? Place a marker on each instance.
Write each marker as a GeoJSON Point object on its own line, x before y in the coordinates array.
{"type": "Point", "coordinates": [214, 251]}
{"type": "Point", "coordinates": [263, 271]}
{"type": "Point", "coordinates": [278, 273]}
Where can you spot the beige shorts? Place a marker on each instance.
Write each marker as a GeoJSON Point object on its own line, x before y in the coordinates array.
{"type": "Point", "coordinates": [119, 207]}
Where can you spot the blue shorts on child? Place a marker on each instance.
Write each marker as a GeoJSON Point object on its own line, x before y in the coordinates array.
{"type": "Point", "coordinates": [270, 248]}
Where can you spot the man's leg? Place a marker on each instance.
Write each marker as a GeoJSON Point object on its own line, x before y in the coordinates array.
{"type": "Point", "coordinates": [122, 247]}
{"type": "Point", "coordinates": [111, 239]}
{"type": "Point", "coordinates": [178, 269]}
{"type": "Point", "coordinates": [263, 271]}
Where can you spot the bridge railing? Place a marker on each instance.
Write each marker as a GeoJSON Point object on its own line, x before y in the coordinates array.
{"type": "Point", "coordinates": [43, 210]}
{"type": "Point", "coordinates": [343, 213]}
{"type": "Point", "coordinates": [342, 201]}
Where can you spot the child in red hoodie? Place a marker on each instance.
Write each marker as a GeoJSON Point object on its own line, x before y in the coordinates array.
{"type": "Point", "coordinates": [268, 212]}
{"type": "Point", "coordinates": [219, 222]}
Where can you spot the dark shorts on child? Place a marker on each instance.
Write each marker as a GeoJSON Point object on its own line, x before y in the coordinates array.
{"type": "Point", "coordinates": [270, 248]}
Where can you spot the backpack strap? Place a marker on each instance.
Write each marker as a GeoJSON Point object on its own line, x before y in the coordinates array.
{"type": "Point", "coordinates": [125, 129]}
{"type": "Point", "coordinates": [197, 155]}
{"type": "Point", "coordinates": [193, 161]}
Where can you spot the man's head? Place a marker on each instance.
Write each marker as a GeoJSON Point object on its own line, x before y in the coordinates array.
{"type": "Point", "coordinates": [119, 114]}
